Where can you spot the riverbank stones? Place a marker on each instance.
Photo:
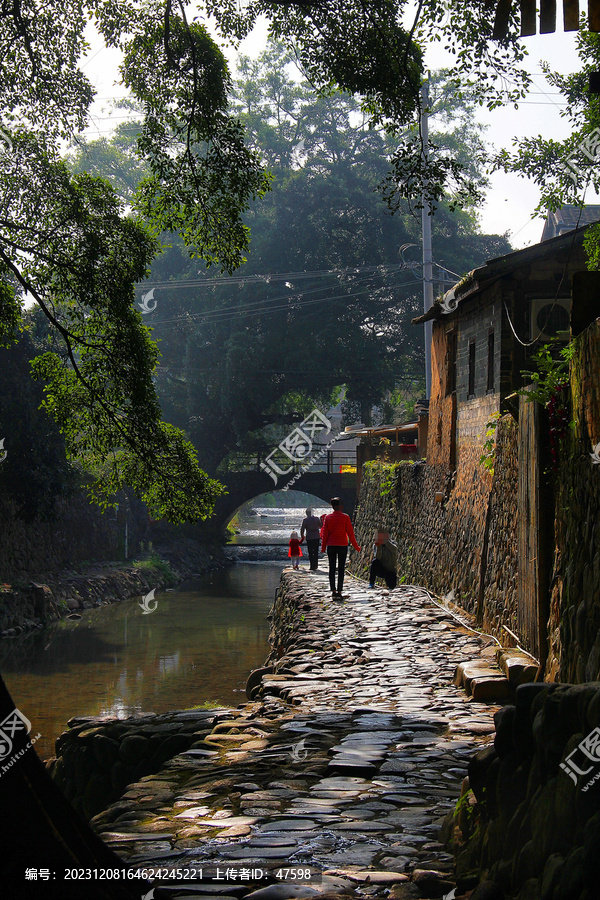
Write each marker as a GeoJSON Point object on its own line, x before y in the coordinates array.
{"type": "Point", "coordinates": [336, 776]}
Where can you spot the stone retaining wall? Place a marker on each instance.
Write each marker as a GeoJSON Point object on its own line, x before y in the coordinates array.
{"type": "Point", "coordinates": [574, 626]}
{"type": "Point", "coordinates": [529, 826]}
{"type": "Point", "coordinates": [499, 602]}
{"type": "Point", "coordinates": [466, 544]}
{"type": "Point", "coordinates": [97, 758]}
{"type": "Point", "coordinates": [285, 633]}
{"type": "Point", "coordinates": [32, 607]}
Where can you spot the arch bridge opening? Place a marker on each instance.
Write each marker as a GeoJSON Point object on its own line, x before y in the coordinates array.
{"type": "Point", "coordinates": [244, 487]}
{"type": "Point", "coordinates": [269, 518]}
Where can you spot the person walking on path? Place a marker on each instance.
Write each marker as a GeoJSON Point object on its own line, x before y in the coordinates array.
{"type": "Point", "coordinates": [295, 551]}
{"type": "Point", "coordinates": [337, 529]}
{"type": "Point", "coordinates": [311, 526]}
{"type": "Point", "coordinates": [383, 564]}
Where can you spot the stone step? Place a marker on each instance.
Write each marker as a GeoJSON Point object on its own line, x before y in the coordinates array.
{"type": "Point", "coordinates": [517, 665]}
{"type": "Point", "coordinates": [475, 668]}
{"type": "Point", "coordinates": [482, 680]}
{"type": "Point", "coordinates": [490, 689]}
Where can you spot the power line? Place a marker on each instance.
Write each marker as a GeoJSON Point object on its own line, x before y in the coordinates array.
{"type": "Point", "coordinates": [289, 300]}
{"type": "Point", "coordinates": [268, 277]}
{"type": "Point", "coordinates": [401, 373]}
{"type": "Point", "coordinates": [297, 296]}
{"type": "Point", "coordinates": [238, 312]}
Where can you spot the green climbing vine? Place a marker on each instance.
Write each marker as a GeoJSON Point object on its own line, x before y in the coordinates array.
{"type": "Point", "coordinates": [551, 373]}
{"type": "Point", "coordinates": [550, 387]}
{"type": "Point", "coordinates": [488, 457]}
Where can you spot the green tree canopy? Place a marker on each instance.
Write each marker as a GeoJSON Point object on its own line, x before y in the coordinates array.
{"type": "Point", "coordinates": [323, 301]}
{"type": "Point", "coordinates": [564, 170]}
{"type": "Point", "coordinates": [77, 248]}
{"type": "Point", "coordinates": [68, 243]}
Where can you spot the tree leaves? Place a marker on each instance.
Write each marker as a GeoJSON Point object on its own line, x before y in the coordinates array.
{"type": "Point", "coordinates": [10, 309]}
{"type": "Point", "coordinates": [564, 169]}
{"type": "Point", "coordinates": [68, 242]}
{"type": "Point", "coordinates": [202, 175]}
{"type": "Point", "coordinates": [357, 47]}
{"type": "Point", "coordinates": [41, 86]}
{"type": "Point", "coordinates": [374, 48]}
{"type": "Point", "coordinates": [79, 257]}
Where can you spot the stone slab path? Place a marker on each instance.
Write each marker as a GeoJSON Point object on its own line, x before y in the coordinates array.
{"type": "Point", "coordinates": [340, 770]}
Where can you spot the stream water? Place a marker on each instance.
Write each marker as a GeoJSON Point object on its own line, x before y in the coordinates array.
{"type": "Point", "coordinates": [198, 646]}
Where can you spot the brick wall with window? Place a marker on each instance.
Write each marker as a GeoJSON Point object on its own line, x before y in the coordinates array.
{"type": "Point", "coordinates": [479, 330]}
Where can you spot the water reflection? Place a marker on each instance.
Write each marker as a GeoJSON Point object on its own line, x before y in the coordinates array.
{"type": "Point", "coordinates": [199, 645]}
{"type": "Point", "coordinates": [259, 524]}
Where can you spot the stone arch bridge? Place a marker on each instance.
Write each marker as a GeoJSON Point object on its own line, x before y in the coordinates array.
{"type": "Point", "coordinates": [244, 486]}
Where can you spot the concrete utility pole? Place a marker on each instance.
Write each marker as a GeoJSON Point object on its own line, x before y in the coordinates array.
{"type": "Point", "coordinates": [426, 230]}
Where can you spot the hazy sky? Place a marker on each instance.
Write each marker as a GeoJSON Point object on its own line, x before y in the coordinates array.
{"type": "Point", "coordinates": [511, 200]}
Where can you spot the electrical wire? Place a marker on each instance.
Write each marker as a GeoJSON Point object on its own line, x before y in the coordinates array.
{"type": "Point", "coordinates": [269, 277]}
{"type": "Point", "coordinates": [235, 312]}
{"type": "Point", "coordinates": [558, 289]}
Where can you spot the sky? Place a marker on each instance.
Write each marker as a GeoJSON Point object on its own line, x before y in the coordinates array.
{"type": "Point", "coordinates": [511, 200]}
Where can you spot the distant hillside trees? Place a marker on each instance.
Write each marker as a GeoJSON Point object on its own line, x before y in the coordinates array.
{"type": "Point", "coordinates": [241, 359]}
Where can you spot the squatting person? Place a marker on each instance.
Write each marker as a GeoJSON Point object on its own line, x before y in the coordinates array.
{"type": "Point", "coordinates": [383, 564]}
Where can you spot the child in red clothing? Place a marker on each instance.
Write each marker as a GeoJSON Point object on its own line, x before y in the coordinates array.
{"type": "Point", "coordinates": [295, 551]}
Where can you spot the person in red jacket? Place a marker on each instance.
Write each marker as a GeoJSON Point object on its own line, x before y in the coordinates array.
{"type": "Point", "coordinates": [337, 529]}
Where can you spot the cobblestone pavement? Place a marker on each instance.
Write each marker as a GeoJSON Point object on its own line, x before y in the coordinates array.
{"type": "Point", "coordinates": [343, 767]}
